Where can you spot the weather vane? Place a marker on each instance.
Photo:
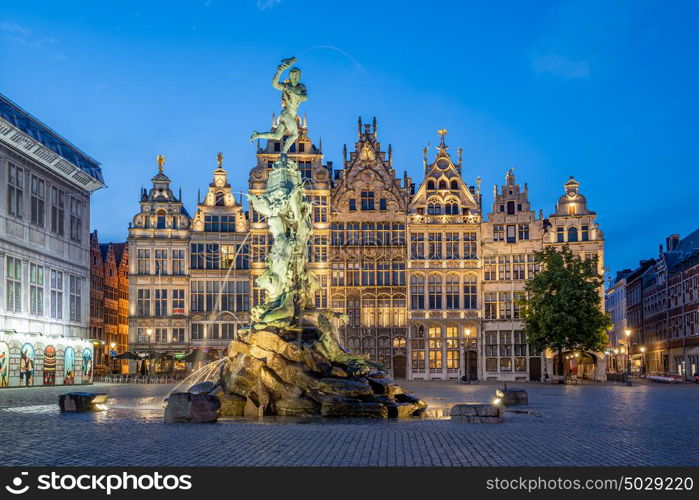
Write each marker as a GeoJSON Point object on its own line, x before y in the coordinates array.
{"type": "Point", "coordinates": [161, 162]}
{"type": "Point", "coordinates": [442, 132]}
{"type": "Point", "coordinates": [219, 158]}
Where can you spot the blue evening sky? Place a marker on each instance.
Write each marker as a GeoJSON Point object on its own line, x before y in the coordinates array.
{"type": "Point", "coordinates": [602, 90]}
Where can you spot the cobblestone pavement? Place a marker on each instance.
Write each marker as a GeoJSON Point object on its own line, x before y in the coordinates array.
{"type": "Point", "coordinates": [591, 425]}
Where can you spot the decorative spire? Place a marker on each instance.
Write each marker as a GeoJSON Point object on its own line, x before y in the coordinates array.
{"type": "Point", "coordinates": [161, 162]}
{"type": "Point", "coordinates": [424, 156]}
{"type": "Point", "coordinates": [460, 152]}
{"type": "Point", "coordinates": [344, 152]}
{"type": "Point", "coordinates": [219, 159]}
{"type": "Point", "coordinates": [305, 121]}
{"type": "Point", "coordinates": [442, 133]}
{"type": "Point", "coordinates": [390, 155]}
{"type": "Point", "coordinates": [359, 126]}
{"type": "Point", "coordinates": [274, 120]}
{"type": "Point", "coordinates": [373, 123]}
{"type": "Point", "coordinates": [478, 184]}
{"type": "Point", "coordinates": [320, 144]}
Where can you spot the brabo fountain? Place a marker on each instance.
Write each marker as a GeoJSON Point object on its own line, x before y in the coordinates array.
{"type": "Point", "coordinates": [289, 362]}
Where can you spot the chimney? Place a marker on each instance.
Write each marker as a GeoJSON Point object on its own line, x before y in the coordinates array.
{"type": "Point", "coordinates": [672, 242]}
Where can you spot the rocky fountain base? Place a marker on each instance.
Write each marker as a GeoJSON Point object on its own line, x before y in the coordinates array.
{"type": "Point", "coordinates": [300, 373]}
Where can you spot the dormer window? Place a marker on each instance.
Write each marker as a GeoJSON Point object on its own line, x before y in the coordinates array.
{"type": "Point", "coordinates": [220, 197]}
{"type": "Point", "coordinates": [161, 220]}
{"type": "Point", "coordinates": [302, 147]}
{"type": "Point", "coordinates": [573, 234]}
{"type": "Point", "coordinates": [430, 185]}
{"type": "Point", "coordinates": [442, 184]}
{"type": "Point", "coordinates": [454, 185]}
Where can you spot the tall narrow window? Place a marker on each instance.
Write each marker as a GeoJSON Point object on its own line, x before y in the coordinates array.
{"type": "Point", "coordinates": [143, 302]}
{"type": "Point", "coordinates": [161, 262]}
{"type": "Point", "coordinates": [572, 234]}
{"type": "Point", "coordinates": [36, 289]}
{"type": "Point", "coordinates": [510, 208]}
{"type": "Point", "coordinates": [452, 291]}
{"type": "Point", "coordinates": [585, 233]}
{"type": "Point", "coordinates": [417, 291]}
{"type": "Point", "coordinates": [13, 284]}
{"type": "Point", "coordinates": [160, 224]}
{"type": "Point", "coordinates": [15, 191]}
{"type": "Point", "coordinates": [470, 292]}
{"type": "Point", "coordinates": [178, 262]}
{"type": "Point", "coordinates": [37, 201]}
{"type": "Point", "coordinates": [76, 219]}
{"type": "Point", "coordinates": [417, 245]}
{"type": "Point", "coordinates": [75, 298]}
{"type": "Point", "coordinates": [367, 200]}
{"type": "Point", "coordinates": [560, 234]}
{"type": "Point", "coordinates": [56, 294]}
{"type": "Point", "coordinates": [160, 302]}
{"type": "Point", "coordinates": [57, 211]}
{"type": "Point", "coordinates": [435, 291]}
{"type": "Point", "coordinates": [143, 261]}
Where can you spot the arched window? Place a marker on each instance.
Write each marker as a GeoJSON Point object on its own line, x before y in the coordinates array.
{"type": "Point", "coordinates": [355, 345]}
{"type": "Point", "coordinates": [399, 310]}
{"type": "Point", "coordinates": [452, 290]}
{"type": "Point", "coordinates": [384, 310]}
{"type": "Point", "coordinates": [417, 291]}
{"type": "Point", "coordinates": [368, 311]}
{"type": "Point", "coordinates": [430, 184]}
{"type": "Point", "coordinates": [572, 234]}
{"type": "Point", "coordinates": [434, 208]}
{"type": "Point", "coordinates": [161, 220]}
{"type": "Point", "coordinates": [369, 347]}
{"type": "Point", "coordinates": [470, 292]}
{"type": "Point", "coordinates": [442, 184]}
{"type": "Point", "coordinates": [454, 185]}
{"type": "Point", "coordinates": [435, 291]}
{"type": "Point", "coordinates": [399, 342]}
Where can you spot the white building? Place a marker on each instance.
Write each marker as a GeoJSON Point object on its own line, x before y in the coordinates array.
{"type": "Point", "coordinates": [46, 184]}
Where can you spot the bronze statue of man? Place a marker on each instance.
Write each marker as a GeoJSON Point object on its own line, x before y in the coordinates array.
{"type": "Point", "coordinates": [293, 94]}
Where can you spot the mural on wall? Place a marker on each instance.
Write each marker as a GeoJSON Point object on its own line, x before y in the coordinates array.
{"type": "Point", "coordinates": [4, 364]}
{"type": "Point", "coordinates": [26, 365]}
{"type": "Point", "coordinates": [69, 366]}
{"type": "Point", "coordinates": [87, 366]}
{"type": "Point", "coordinates": [50, 365]}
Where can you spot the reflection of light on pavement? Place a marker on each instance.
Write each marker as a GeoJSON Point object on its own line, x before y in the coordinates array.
{"type": "Point", "coordinates": [35, 409]}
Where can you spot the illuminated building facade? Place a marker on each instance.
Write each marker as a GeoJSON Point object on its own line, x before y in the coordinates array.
{"type": "Point", "coordinates": [45, 186]}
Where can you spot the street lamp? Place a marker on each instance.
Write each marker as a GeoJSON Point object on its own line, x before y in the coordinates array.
{"type": "Point", "coordinates": [628, 357]}
{"type": "Point", "coordinates": [643, 360]}
{"type": "Point", "coordinates": [468, 355]}
{"type": "Point", "coordinates": [111, 358]}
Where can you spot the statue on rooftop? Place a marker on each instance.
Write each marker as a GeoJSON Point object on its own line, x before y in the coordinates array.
{"type": "Point", "coordinates": [293, 94]}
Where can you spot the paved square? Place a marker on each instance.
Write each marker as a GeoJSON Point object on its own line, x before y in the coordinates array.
{"type": "Point", "coordinates": [583, 425]}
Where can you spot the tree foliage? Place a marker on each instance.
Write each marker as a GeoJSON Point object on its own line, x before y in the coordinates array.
{"type": "Point", "coordinates": [561, 308]}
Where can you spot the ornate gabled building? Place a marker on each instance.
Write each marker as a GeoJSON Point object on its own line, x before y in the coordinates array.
{"type": "Point", "coordinates": [368, 251]}
{"type": "Point", "coordinates": [109, 292]}
{"type": "Point", "coordinates": [430, 288]}
{"type": "Point", "coordinates": [219, 279]}
{"type": "Point", "coordinates": [444, 233]}
{"type": "Point", "coordinates": [317, 178]}
{"type": "Point", "coordinates": [510, 237]}
{"type": "Point", "coordinates": [158, 282]}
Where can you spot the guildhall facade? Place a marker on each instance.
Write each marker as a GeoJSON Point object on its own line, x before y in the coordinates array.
{"type": "Point", "coordinates": [429, 284]}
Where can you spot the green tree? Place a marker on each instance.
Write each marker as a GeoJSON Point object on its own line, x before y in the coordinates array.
{"type": "Point", "coordinates": [561, 308]}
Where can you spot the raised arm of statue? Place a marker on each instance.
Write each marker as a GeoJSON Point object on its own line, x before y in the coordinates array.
{"type": "Point", "coordinates": [286, 63]}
